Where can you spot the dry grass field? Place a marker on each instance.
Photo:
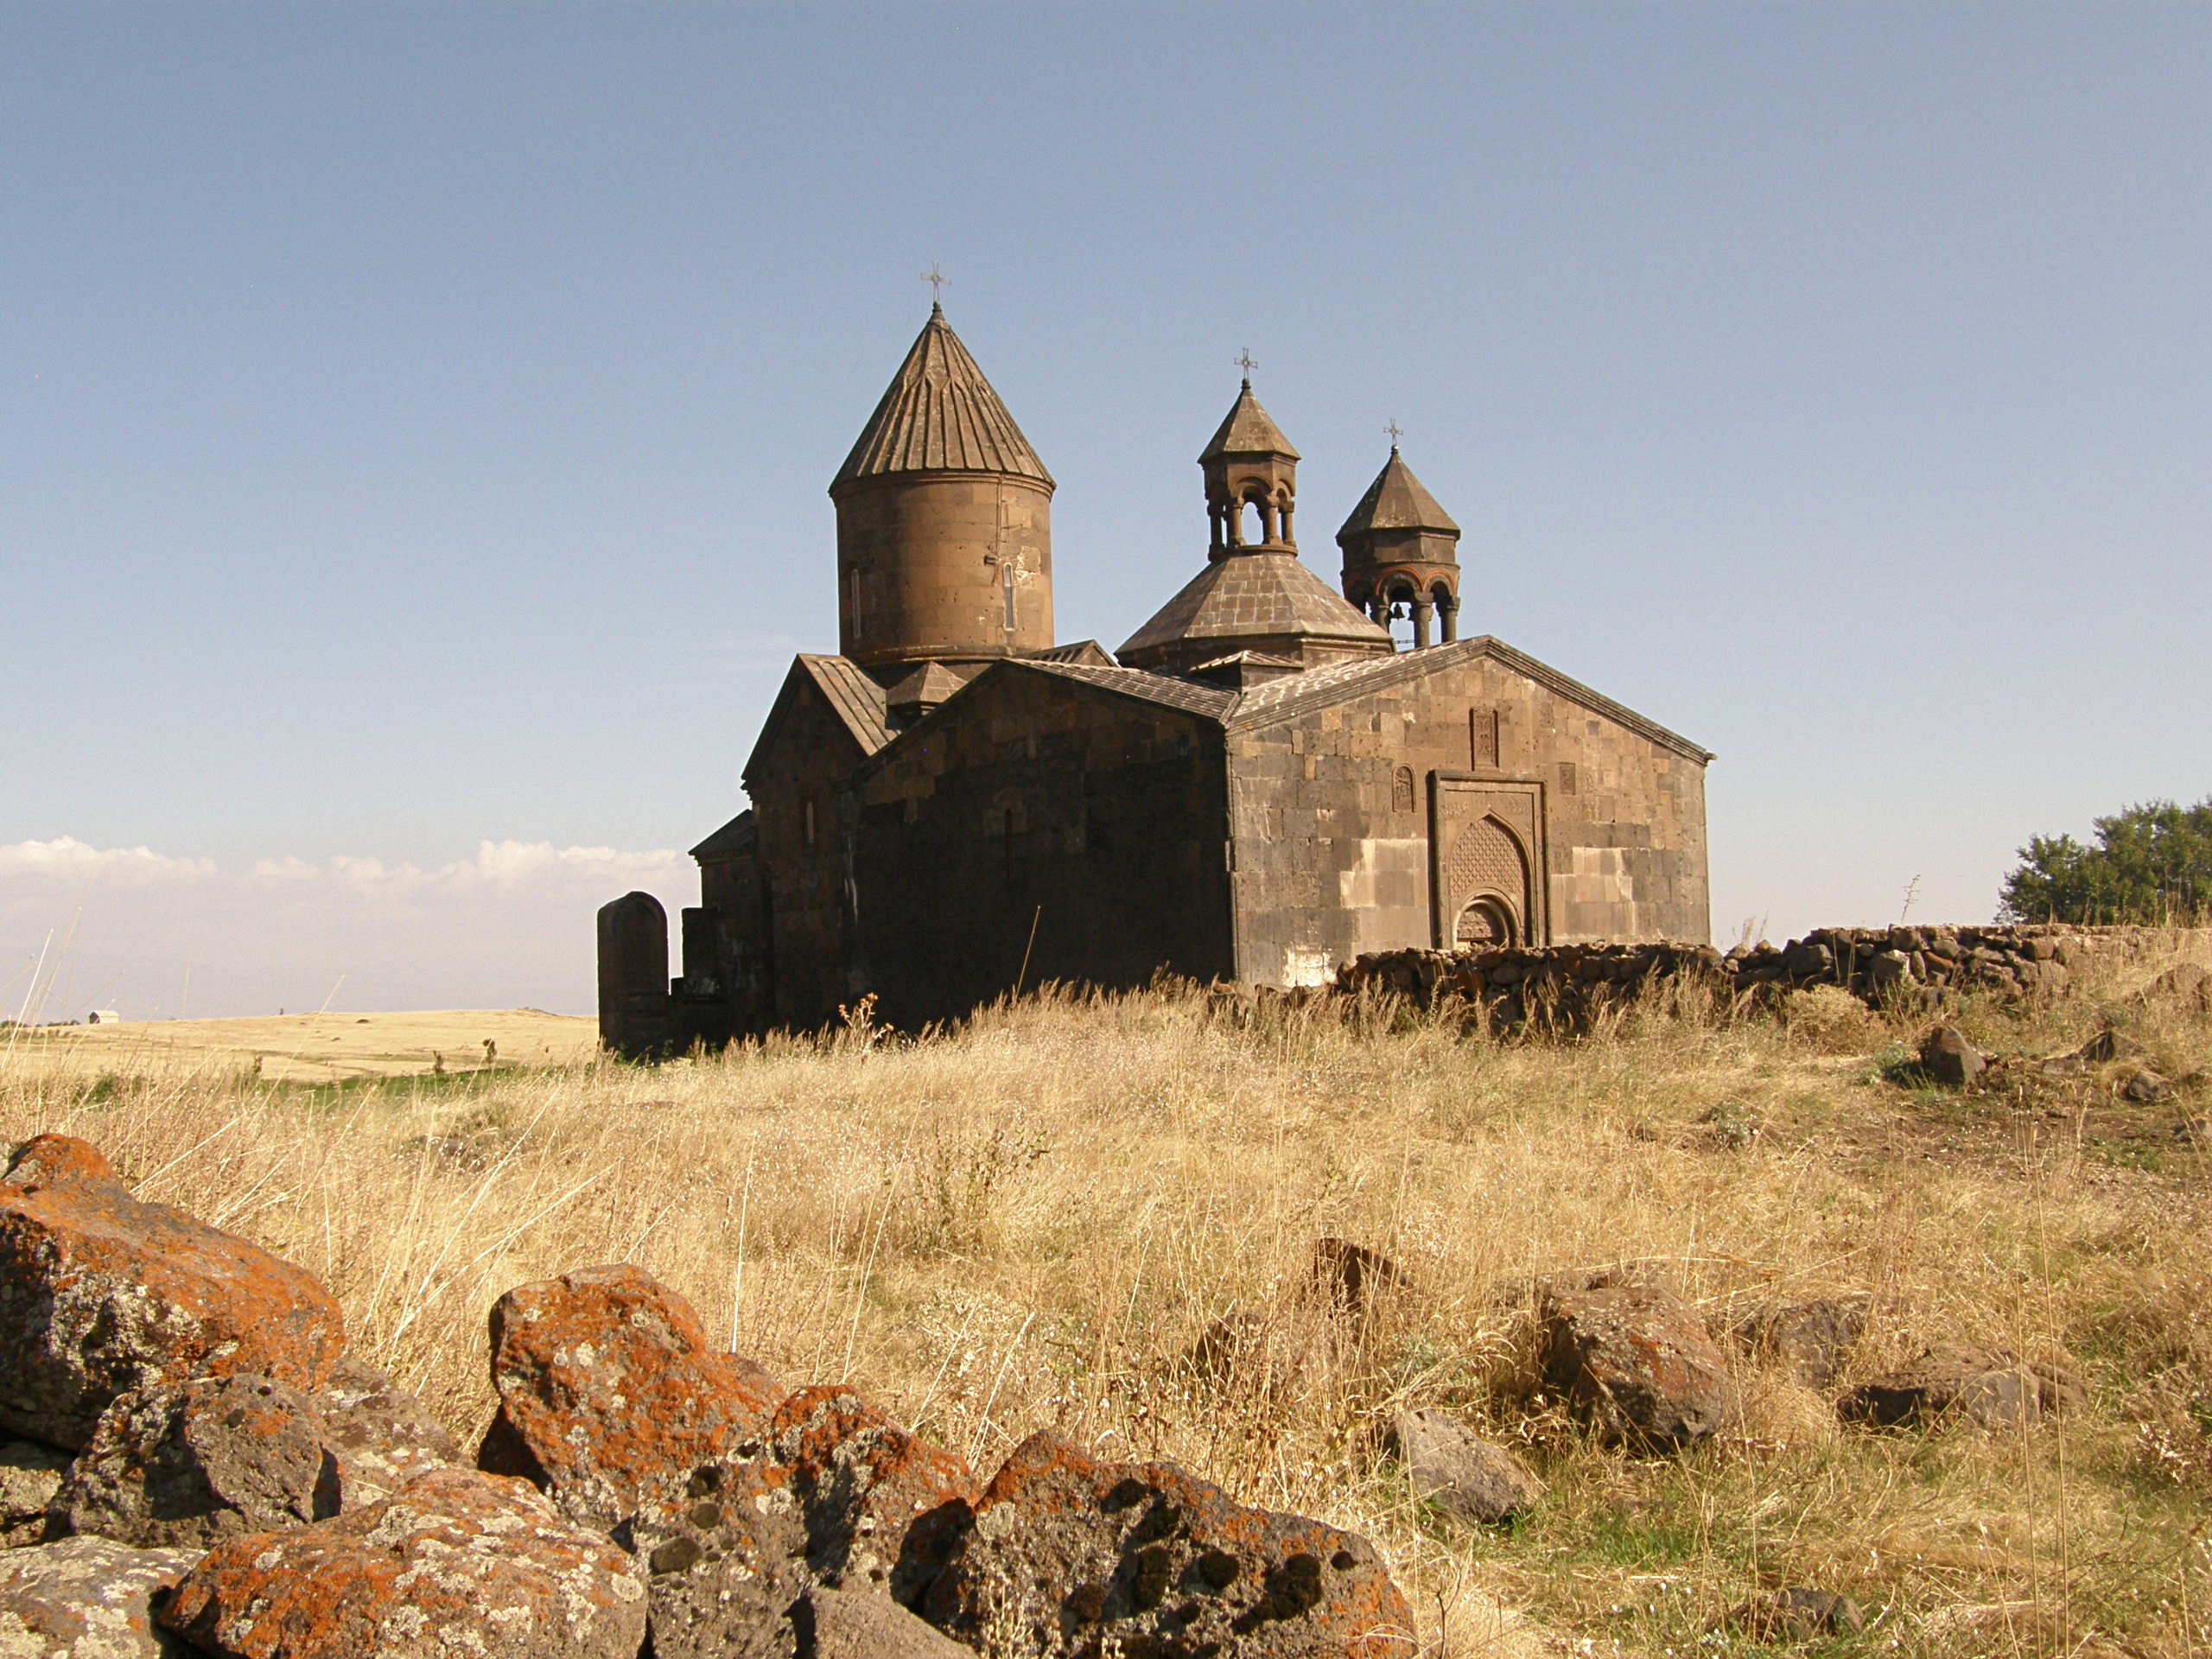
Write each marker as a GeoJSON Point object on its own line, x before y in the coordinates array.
{"type": "Point", "coordinates": [1034, 1219]}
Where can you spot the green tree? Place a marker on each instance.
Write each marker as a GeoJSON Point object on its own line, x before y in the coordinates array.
{"type": "Point", "coordinates": [2151, 864]}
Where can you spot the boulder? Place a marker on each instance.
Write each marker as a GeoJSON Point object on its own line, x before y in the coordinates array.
{"type": "Point", "coordinates": [1456, 1470]}
{"type": "Point", "coordinates": [1635, 1362]}
{"type": "Point", "coordinates": [101, 1295]}
{"type": "Point", "coordinates": [186, 1467]}
{"type": "Point", "coordinates": [880, 1508]}
{"type": "Point", "coordinates": [453, 1562]}
{"type": "Point", "coordinates": [724, 1552]}
{"type": "Point", "coordinates": [1810, 1340]}
{"type": "Point", "coordinates": [30, 1474]}
{"type": "Point", "coordinates": [835, 1497]}
{"type": "Point", "coordinates": [607, 1387]}
{"type": "Point", "coordinates": [87, 1598]}
{"type": "Point", "coordinates": [1948, 1384]}
{"type": "Point", "coordinates": [381, 1435]}
{"type": "Point", "coordinates": [1948, 1058]}
{"type": "Point", "coordinates": [1073, 1556]}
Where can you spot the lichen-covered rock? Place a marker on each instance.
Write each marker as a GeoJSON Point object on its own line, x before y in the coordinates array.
{"type": "Point", "coordinates": [1071, 1556]}
{"type": "Point", "coordinates": [455, 1562]}
{"type": "Point", "coordinates": [881, 1508]}
{"type": "Point", "coordinates": [381, 1435]}
{"type": "Point", "coordinates": [608, 1388]}
{"type": "Point", "coordinates": [30, 1474]}
{"type": "Point", "coordinates": [834, 1498]}
{"type": "Point", "coordinates": [725, 1554]}
{"type": "Point", "coordinates": [86, 1598]}
{"type": "Point", "coordinates": [101, 1295]}
{"type": "Point", "coordinates": [1948, 1384]}
{"type": "Point", "coordinates": [1636, 1362]}
{"type": "Point", "coordinates": [1453, 1467]}
{"type": "Point", "coordinates": [1945, 1057]}
{"type": "Point", "coordinates": [192, 1464]}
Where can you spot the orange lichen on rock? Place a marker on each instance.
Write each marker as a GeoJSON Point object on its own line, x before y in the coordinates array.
{"type": "Point", "coordinates": [1080, 1555]}
{"type": "Point", "coordinates": [101, 1295]}
{"type": "Point", "coordinates": [608, 1385]}
{"type": "Point", "coordinates": [456, 1561]}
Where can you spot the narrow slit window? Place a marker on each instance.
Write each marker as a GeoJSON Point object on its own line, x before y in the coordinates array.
{"type": "Point", "coordinates": [807, 814]}
{"type": "Point", "coordinates": [1005, 581]}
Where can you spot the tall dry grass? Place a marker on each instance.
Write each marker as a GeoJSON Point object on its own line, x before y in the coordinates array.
{"type": "Point", "coordinates": [1040, 1218]}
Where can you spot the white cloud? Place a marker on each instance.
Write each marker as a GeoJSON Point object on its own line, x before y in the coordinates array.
{"type": "Point", "coordinates": [511, 927]}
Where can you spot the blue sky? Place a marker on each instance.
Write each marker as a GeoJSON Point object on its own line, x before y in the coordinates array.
{"type": "Point", "coordinates": [415, 421]}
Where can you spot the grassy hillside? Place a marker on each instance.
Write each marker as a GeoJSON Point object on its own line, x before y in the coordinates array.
{"type": "Point", "coordinates": [1037, 1219]}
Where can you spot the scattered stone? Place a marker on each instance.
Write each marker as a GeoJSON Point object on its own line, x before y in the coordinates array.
{"type": "Point", "coordinates": [2145, 1088]}
{"type": "Point", "coordinates": [1460, 1472]}
{"type": "Point", "coordinates": [1353, 1278]}
{"type": "Point", "coordinates": [1810, 1340]}
{"type": "Point", "coordinates": [1635, 1362]}
{"type": "Point", "coordinates": [607, 1387]}
{"type": "Point", "coordinates": [87, 1598]}
{"type": "Point", "coordinates": [2186, 982]}
{"type": "Point", "coordinates": [1798, 1614]}
{"type": "Point", "coordinates": [454, 1562]}
{"type": "Point", "coordinates": [1948, 1384]}
{"type": "Point", "coordinates": [1734, 1127]}
{"type": "Point", "coordinates": [854, 1625]}
{"type": "Point", "coordinates": [188, 1466]}
{"type": "Point", "coordinates": [1071, 1557]}
{"type": "Point", "coordinates": [1947, 1058]}
{"type": "Point", "coordinates": [101, 1295]}
{"type": "Point", "coordinates": [382, 1435]}
{"type": "Point", "coordinates": [30, 1474]}
{"type": "Point", "coordinates": [2059, 1392]}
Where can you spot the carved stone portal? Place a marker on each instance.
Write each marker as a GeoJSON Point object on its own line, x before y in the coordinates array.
{"type": "Point", "coordinates": [1486, 857]}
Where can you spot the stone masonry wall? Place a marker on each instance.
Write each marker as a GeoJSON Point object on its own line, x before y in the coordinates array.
{"type": "Point", "coordinates": [1565, 984]}
{"type": "Point", "coordinates": [1333, 844]}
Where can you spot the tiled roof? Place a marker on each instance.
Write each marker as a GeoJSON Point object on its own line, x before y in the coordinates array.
{"type": "Point", "coordinates": [733, 840]}
{"type": "Point", "coordinates": [1254, 596]}
{"type": "Point", "coordinates": [1208, 700]}
{"type": "Point", "coordinates": [858, 701]}
{"type": "Point", "coordinates": [932, 683]}
{"type": "Point", "coordinates": [940, 416]}
{"type": "Point", "coordinates": [1083, 651]}
{"type": "Point", "coordinates": [1395, 500]}
{"type": "Point", "coordinates": [1248, 430]}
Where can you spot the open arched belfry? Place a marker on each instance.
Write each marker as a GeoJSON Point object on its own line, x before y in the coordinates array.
{"type": "Point", "coordinates": [1257, 785]}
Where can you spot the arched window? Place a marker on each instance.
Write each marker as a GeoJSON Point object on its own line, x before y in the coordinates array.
{"type": "Point", "coordinates": [1402, 615]}
{"type": "Point", "coordinates": [1250, 529]}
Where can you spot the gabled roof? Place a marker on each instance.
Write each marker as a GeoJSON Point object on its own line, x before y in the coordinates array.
{"type": "Point", "coordinates": [1083, 651]}
{"type": "Point", "coordinates": [857, 701]}
{"type": "Point", "coordinates": [740, 836]}
{"type": "Point", "coordinates": [1395, 500]}
{"type": "Point", "coordinates": [1248, 430]}
{"type": "Point", "coordinates": [1255, 596]}
{"type": "Point", "coordinates": [939, 415]}
{"type": "Point", "coordinates": [1210, 702]}
{"type": "Point", "coordinates": [1293, 694]}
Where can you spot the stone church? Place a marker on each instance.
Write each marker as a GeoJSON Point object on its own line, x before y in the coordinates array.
{"type": "Point", "coordinates": [1259, 784]}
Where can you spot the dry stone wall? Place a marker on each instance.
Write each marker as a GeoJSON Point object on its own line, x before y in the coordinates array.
{"type": "Point", "coordinates": [1565, 984]}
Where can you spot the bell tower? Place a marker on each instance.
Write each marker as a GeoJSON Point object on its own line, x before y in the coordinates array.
{"type": "Point", "coordinates": [1251, 474]}
{"type": "Point", "coordinates": [944, 520]}
{"type": "Point", "coordinates": [1400, 548]}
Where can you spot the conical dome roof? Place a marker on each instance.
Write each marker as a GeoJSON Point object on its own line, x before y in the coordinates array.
{"type": "Point", "coordinates": [1249, 430]}
{"type": "Point", "coordinates": [940, 416]}
{"type": "Point", "coordinates": [1395, 500]}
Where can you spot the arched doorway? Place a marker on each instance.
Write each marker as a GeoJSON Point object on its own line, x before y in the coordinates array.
{"type": "Point", "coordinates": [1487, 874]}
{"type": "Point", "coordinates": [1485, 924]}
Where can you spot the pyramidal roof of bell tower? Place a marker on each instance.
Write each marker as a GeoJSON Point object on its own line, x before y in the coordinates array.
{"type": "Point", "coordinates": [939, 415]}
{"type": "Point", "coordinates": [1248, 430]}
